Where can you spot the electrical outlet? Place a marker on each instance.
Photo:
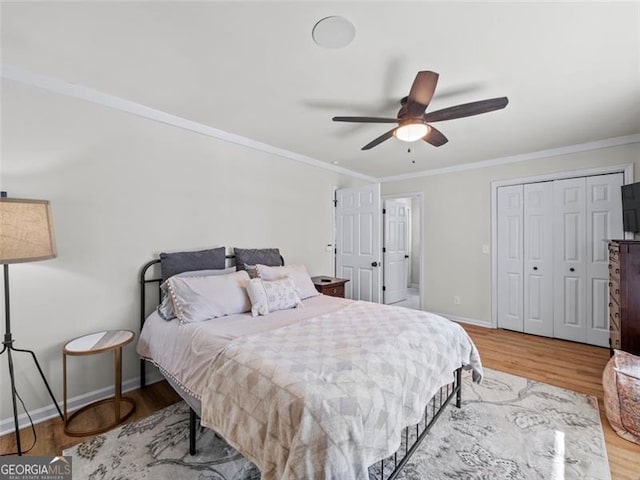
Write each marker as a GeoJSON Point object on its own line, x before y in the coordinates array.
{"type": "Point", "coordinates": [457, 300]}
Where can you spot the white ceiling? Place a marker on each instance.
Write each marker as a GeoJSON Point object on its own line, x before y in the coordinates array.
{"type": "Point", "coordinates": [571, 70]}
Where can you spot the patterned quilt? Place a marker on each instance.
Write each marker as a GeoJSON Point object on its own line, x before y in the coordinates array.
{"type": "Point", "coordinates": [329, 396]}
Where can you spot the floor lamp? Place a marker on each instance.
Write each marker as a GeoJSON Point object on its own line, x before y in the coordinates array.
{"type": "Point", "coordinates": [26, 235]}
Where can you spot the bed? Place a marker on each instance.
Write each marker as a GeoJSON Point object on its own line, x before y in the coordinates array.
{"type": "Point", "coordinates": [334, 389]}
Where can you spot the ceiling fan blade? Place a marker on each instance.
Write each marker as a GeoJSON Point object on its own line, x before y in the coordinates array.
{"type": "Point", "coordinates": [421, 93]}
{"type": "Point", "coordinates": [466, 109]}
{"type": "Point", "coordinates": [365, 119]}
{"type": "Point", "coordinates": [435, 137]}
{"type": "Point", "coordinates": [379, 140]}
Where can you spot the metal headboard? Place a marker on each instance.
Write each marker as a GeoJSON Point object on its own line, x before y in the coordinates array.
{"type": "Point", "coordinates": [144, 281]}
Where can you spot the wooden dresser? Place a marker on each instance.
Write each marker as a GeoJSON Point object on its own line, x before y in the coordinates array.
{"type": "Point", "coordinates": [331, 286]}
{"type": "Point", "coordinates": [624, 295]}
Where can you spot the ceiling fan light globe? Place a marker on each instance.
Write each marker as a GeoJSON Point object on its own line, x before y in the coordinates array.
{"type": "Point", "coordinates": [411, 132]}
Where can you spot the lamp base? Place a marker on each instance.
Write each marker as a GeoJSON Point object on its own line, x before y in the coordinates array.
{"type": "Point", "coordinates": [7, 346]}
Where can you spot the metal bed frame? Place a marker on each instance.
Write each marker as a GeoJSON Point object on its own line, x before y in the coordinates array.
{"type": "Point", "coordinates": [412, 435]}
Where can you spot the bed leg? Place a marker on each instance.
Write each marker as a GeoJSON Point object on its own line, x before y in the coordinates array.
{"type": "Point", "coordinates": [459, 387]}
{"type": "Point", "coordinates": [143, 378]}
{"type": "Point", "coordinates": [192, 432]}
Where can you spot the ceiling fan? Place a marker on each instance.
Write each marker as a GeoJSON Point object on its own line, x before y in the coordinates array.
{"type": "Point", "coordinates": [413, 121]}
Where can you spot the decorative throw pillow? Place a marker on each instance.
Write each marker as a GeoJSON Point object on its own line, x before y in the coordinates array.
{"type": "Point", "coordinates": [297, 273]}
{"type": "Point", "coordinates": [257, 297]}
{"type": "Point", "coordinates": [165, 309]}
{"type": "Point", "coordinates": [177, 262]}
{"type": "Point", "coordinates": [271, 296]}
{"type": "Point", "coordinates": [253, 256]}
{"type": "Point", "coordinates": [200, 298]}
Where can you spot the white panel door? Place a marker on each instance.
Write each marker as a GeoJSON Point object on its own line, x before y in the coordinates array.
{"type": "Point", "coordinates": [396, 247]}
{"type": "Point", "coordinates": [358, 241]}
{"type": "Point", "coordinates": [570, 290]}
{"type": "Point", "coordinates": [510, 262]}
{"type": "Point", "coordinates": [538, 258]}
{"type": "Point", "coordinates": [410, 234]}
{"type": "Point", "coordinates": [603, 223]}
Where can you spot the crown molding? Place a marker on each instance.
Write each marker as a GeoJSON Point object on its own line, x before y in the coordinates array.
{"type": "Point", "coordinates": [18, 74]}
{"type": "Point", "coordinates": [523, 157]}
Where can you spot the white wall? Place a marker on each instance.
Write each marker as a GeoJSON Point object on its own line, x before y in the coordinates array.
{"type": "Point", "coordinates": [457, 223]}
{"type": "Point", "coordinates": [122, 189]}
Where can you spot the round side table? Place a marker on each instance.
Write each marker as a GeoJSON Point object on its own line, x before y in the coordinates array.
{"type": "Point", "coordinates": [110, 340]}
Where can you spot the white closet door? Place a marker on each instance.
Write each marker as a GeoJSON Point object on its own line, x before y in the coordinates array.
{"type": "Point", "coordinates": [510, 264]}
{"type": "Point", "coordinates": [603, 223]}
{"type": "Point", "coordinates": [570, 266]}
{"type": "Point", "coordinates": [538, 258]}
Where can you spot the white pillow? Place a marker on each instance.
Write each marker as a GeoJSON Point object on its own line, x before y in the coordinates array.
{"type": "Point", "coordinates": [200, 298]}
{"type": "Point", "coordinates": [297, 273]}
{"type": "Point", "coordinates": [165, 309]}
{"type": "Point", "coordinates": [270, 296]}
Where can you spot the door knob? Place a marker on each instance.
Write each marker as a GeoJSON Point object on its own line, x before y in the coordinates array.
{"type": "Point", "coordinates": [535, 268]}
{"type": "Point", "coordinates": [406, 256]}
{"type": "Point", "coordinates": [374, 264]}
{"type": "Point", "coordinates": [572, 269]}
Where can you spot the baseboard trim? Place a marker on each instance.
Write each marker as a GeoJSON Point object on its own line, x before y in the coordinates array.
{"type": "Point", "coordinates": [470, 321]}
{"type": "Point", "coordinates": [46, 413]}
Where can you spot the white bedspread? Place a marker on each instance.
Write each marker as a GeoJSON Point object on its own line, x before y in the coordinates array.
{"type": "Point", "coordinates": [185, 352]}
{"type": "Point", "coordinates": [326, 397]}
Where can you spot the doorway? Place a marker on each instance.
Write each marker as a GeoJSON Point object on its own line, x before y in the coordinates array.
{"type": "Point", "coordinates": [360, 253]}
{"type": "Point", "coordinates": [402, 250]}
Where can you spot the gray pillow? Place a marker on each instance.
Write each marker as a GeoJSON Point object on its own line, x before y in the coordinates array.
{"type": "Point", "coordinates": [173, 263]}
{"type": "Point", "coordinates": [252, 256]}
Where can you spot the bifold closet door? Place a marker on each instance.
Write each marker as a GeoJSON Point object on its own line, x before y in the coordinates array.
{"type": "Point", "coordinates": [525, 258]}
{"type": "Point", "coordinates": [587, 215]}
{"type": "Point", "coordinates": [538, 258]}
{"type": "Point", "coordinates": [510, 262]}
{"type": "Point", "coordinates": [603, 223]}
{"type": "Point", "coordinates": [570, 265]}
{"type": "Point", "coordinates": [553, 257]}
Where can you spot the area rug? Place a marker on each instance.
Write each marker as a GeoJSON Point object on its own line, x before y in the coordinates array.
{"type": "Point", "coordinates": [509, 428]}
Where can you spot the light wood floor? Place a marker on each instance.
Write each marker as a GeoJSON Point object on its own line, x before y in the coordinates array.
{"type": "Point", "coordinates": [564, 364]}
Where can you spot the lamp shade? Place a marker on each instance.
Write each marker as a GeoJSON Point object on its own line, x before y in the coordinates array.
{"type": "Point", "coordinates": [26, 231]}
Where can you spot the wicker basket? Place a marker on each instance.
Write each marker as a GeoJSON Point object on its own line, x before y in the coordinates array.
{"type": "Point", "coordinates": [621, 382]}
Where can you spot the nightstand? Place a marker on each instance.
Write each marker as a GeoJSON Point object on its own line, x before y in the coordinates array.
{"type": "Point", "coordinates": [107, 341]}
{"type": "Point", "coordinates": [334, 287]}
